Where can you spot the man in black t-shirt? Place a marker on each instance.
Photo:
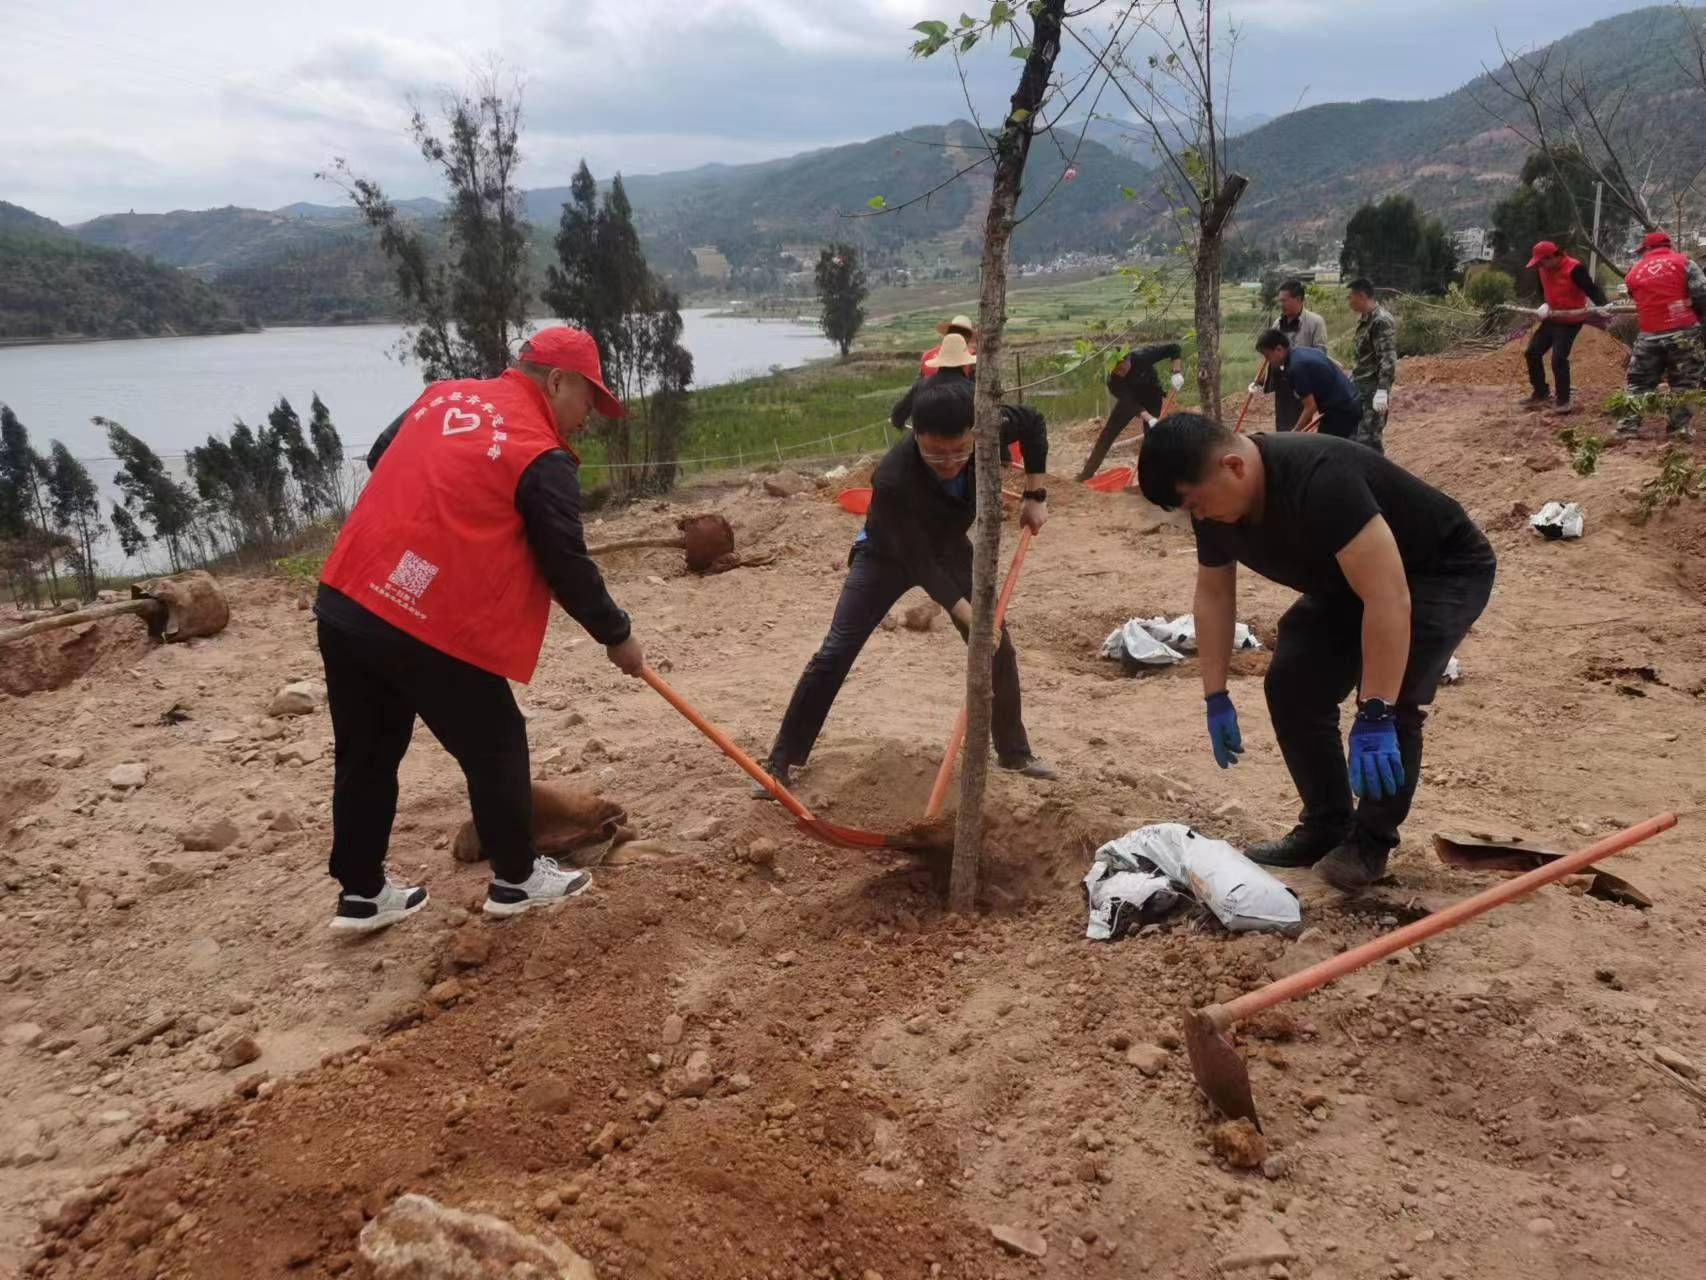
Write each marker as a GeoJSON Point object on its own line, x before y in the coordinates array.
{"type": "Point", "coordinates": [1392, 574]}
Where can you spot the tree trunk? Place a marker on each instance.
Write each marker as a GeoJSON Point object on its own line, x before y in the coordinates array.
{"type": "Point", "coordinates": [1216, 213]}
{"type": "Point", "coordinates": [1013, 147]}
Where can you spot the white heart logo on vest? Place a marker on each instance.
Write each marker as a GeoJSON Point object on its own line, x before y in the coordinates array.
{"type": "Point", "coordinates": [456, 422]}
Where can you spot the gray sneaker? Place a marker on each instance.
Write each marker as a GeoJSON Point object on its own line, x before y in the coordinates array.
{"type": "Point", "coordinates": [548, 884]}
{"type": "Point", "coordinates": [1030, 767]}
{"type": "Point", "coordinates": [356, 914]}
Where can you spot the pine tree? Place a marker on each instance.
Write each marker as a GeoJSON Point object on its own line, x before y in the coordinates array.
{"type": "Point", "coordinates": [1394, 245]}
{"type": "Point", "coordinates": [131, 539]}
{"type": "Point", "coordinates": [329, 452]}
{"type": "Point", "coordinates": [24, 518]}
{"type": "Point", "coordinates": [150, 491]}
{"type": "Point", "coordinates": [76, 510]}
{"type": "Point", "coordinates": [602, 283]}
{"type": "Point", "coordinates": [463, 314]}
{"type": "Point", "coordinates": [304, 462]}
{"type": "Point", "coordinates": [841, 289]}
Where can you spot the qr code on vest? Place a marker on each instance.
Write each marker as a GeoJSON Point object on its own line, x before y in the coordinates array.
{"type": "Point", "coordinates": [413, 574]}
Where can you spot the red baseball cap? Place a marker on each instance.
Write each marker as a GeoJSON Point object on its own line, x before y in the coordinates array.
{"type": "Point", "coordinates": [1656, 240]}
{"type": "Point", "coordinates": [565, 347]}
{"type": "Point", "coordinates": [1542, 249]}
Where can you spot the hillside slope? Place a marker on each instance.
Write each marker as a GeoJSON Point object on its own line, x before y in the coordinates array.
{"type": "Point", "coordinates": [56, 287]}
{"type": "Point", "coordinates": [1310, 169]}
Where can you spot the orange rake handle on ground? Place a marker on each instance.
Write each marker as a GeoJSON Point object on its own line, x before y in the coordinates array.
{"type": "Point", "coordinates": [1334, 967]}
{"type": "Point", "coordinates": [939, 792]}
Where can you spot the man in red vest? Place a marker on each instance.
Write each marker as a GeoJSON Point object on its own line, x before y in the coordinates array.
{"type": "Point", "coordinates": [437, 594]}
{"type": "Point", "coordinates": [1567, 290]}
{"type": "Point", "coordinates": [1669, 291]}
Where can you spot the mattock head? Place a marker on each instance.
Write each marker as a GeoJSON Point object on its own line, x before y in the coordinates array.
{"type": "Point", "coordinates": [1219, 1071]}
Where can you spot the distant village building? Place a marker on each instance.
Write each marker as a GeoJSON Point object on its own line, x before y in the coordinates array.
{"type": "Point", "coordinates": [1473, 245]}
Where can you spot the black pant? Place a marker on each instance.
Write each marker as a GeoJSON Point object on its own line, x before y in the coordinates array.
{"type": "Point", "coordinates": [1340, 420]}
{"type": "Point", "coordinates": [1287, 407]}
{"type": "Point", "coordinates": [872, 587]}
{"type": "Point", "coordinates": [1129, 397]}
{"type": "Point", "coordinates": [377, 681]}
{"type": "Point", "coordinates": [1318, 661]}
{"type": "Point", "coordinates": [1558, 339]}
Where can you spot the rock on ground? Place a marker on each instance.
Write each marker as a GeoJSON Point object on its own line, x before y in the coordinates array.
{"type": "Point", "coordinates": [210, 837]}
{"type": "Point", "coordinates": [416, 1238]}
{"type": "Point", "coordinates": [1020, 1240]}
{"type": "Point", "coordinates": [293, 700]}
{"type": "Point", "coordinates": [1240, 1144]}
{"type": "Point", "coordinates": [921, 617]}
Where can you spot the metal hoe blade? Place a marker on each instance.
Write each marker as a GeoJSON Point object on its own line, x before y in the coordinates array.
{"type": "Point", "coordinates": [1219, 1070]}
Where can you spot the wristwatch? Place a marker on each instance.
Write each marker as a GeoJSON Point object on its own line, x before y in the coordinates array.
{"type": "Point", "coordinates": [1375, 709]}
{"type": "Point", "coordinates": [1036, 495]}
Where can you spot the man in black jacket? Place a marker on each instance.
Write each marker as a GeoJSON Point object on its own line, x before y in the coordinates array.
{"type": "Point", "coordinates": [922, 503]}
{"type": "Point", "coordinates": [1136, 388]}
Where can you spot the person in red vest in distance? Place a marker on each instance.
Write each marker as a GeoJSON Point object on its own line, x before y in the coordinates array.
{"type": "Point", "coordinates": [961, 325]}
{"type": "Point", "coordinates": [1568, 291]}
{"type": "Point", "coordinates": [1669, 291]}
{"type": "Point", "coordinates": [437, 594]}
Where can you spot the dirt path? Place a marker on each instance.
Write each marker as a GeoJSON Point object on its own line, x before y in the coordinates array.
{"type": "Point", "coordinates": [885, 1082]}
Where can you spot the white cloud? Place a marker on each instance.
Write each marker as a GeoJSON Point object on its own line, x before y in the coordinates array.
{"type": "Point", "coordinates": [187, 103]}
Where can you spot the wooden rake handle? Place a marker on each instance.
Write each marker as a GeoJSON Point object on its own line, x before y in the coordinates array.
{"type": "Point", "coordinates": [1262, 380]}
{"type": "Point", "coordinates": [91, 614]}
{"type": "Point", "coordinates": [939, 791]}
{"type": "Point", "coordinates": [1335, 967]}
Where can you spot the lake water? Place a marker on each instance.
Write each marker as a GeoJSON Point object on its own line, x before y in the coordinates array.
{"type": "Point", "coordinates": [174, 392]}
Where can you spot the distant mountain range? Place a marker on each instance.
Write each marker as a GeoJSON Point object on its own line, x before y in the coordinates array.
{"type": "Point", "coordinates": [1309, 171]}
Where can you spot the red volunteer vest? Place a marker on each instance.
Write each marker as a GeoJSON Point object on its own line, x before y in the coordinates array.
{"type": "Point", "coordinates": [1659, 285]}
{"type": "Point", "coordinates": [1561, 292]}
{"type": "Point", "coordinates": [435, 545]}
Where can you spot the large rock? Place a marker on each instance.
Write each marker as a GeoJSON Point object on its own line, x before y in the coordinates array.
{"type": "Point", "coordinates": [297, 699]}
{"type": "Point", "coordinates": [210, 837]}
{"type": "Point", "coordinates": [417, 1238]}
{"type": "Point", "coordinates": [921, 617]}
{"type": "Point", "coordinates": [785, 484]}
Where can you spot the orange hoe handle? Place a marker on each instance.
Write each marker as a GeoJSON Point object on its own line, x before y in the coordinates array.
{"type": "Point", "coordinates": [939, 792]}
{"type": "Point", "coordinates": [1319, 975]}
{"type": "Point", "coordinates": [1261, 379]}
{"type": "Point", "coordinates": [1314, 424]}
{"type": "Point", "coordinates": [716, 735]}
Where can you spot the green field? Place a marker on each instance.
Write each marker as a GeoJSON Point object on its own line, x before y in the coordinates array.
{"type": "Point", "coordinates": [838, 409]}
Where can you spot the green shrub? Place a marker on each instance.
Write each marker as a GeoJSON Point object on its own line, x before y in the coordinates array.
{"type": "Point", "coordinates": [1490, 289]}
{"type": "Point", "coordinates": [1427, 326]}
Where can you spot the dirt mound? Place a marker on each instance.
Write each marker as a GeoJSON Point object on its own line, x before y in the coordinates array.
{"type": "Point", "coordinates": [54, 659]}
{"type": "Point", "coordinates": [1596, 365]}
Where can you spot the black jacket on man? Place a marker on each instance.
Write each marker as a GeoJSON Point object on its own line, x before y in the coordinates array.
{"type": "Point", "coordinates": [913, 520]}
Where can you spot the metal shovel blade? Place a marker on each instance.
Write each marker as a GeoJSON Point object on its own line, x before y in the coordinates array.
{"type": "Point", "coordinates": [1219, 1070]}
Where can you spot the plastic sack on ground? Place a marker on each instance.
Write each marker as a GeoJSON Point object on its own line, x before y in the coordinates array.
{"type": "Point", "coordinates": [1121, 901]}
{"type": "Point", "coordinates": [1453, 672]}
{"type": "Point", "coordinates": [1135, 647]}
{"type": "Point", "coordinates": [1241, 895]}
{"type": "Point", "coordinates": [1557, 520]}
{"type": "Point", "coordinates": [1181, 633]}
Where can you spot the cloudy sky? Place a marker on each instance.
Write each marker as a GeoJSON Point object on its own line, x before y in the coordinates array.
{"type": "Point", "coordinates": [186, 104]}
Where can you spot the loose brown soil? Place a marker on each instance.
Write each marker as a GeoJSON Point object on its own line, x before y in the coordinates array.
{"type": "Point", "coordinates": [889, 1082]}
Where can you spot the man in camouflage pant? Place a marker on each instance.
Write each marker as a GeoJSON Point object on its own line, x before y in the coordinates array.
{"type": "Point", "coordinates": [1374, 362]}
{"type": "Point", "coordinates": [1669, 292]}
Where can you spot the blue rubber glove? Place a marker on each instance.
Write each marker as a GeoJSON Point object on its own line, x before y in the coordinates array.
{"type": "Point", "coordinates": [1377, 767]}
{"type": "Point", "coordinates": [1223, 733]}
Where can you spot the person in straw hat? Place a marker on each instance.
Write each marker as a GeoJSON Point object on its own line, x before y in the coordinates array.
{"type": "Point", "coordinates": [952, 361]}
{"type": "Point", "coordinates": [961, 325]}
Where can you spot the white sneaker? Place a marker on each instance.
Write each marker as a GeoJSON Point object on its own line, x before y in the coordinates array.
{"type": "Point", "coordinates": [549, 883]}
{"type": "Point", "coordinates": [394, 902]}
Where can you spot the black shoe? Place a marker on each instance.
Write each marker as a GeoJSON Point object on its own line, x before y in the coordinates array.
{"type": "Point", "coordinates": [781, 772]}
{"type": "Point", "coordinates": [1030, 767]}
{"type": "Point", "coordinates": [1299, 847]}
{"type": "Point", "coordinates": [1352, 867]}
